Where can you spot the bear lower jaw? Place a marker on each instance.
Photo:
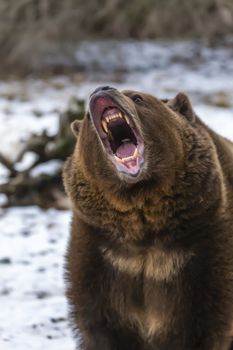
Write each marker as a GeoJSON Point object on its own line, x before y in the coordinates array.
{"type": "Point", "coordinates": [129, 165]}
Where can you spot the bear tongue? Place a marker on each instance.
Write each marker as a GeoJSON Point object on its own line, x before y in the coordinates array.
{"type": "Point", "coordinates": [125, 150]}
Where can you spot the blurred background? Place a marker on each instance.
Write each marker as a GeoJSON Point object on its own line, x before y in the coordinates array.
{"type": "Point", "coordinates": [53, 54]}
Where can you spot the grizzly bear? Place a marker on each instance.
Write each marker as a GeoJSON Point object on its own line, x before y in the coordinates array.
{"type": "Point", "coordinates": [150, 258]}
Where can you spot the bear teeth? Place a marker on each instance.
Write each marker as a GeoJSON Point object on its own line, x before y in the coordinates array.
{"type": "Point", "coordinates": [126, 159]}
{"type": "Point", "coordinates": [112, 117]}
{"type": "Point", "coordinates": [109, 118]}
{"type": "Point", "coordinates": [105, 127]}
{"type": "Point", "coordinates": [125, 140]}
{"type": "Point", "coordinates": [127, 119]}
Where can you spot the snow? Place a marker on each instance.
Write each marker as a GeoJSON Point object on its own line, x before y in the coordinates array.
{"type": "Point", "coordinates": [50, 167]}
{"type": "Point", "coordinates": [33, 307]}
{"type": "Point", "coordinates": [219, 119]}
{"type": "Point", "coordinates": [144, 56]}
{"type": "Point", "coordinates": [33, 241]}
{"type": "Point", "coordinates": [28, 160]}
{"type": "Point", "coordinates": [4, 173]}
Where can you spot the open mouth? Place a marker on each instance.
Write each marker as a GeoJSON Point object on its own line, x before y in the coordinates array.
{"type": "Point", "coordinates": [119, 135]}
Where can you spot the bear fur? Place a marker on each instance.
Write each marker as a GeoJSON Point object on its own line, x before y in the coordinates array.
{"type": "Point", "coordinates": [149, 264]}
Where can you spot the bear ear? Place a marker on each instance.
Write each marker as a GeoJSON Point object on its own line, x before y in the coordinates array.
{"type": "Point", "coordinates": [75, 127]}
{"type": "Point", "coordinates": [182, 105]}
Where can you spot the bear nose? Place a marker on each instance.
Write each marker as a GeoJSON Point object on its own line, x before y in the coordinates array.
{"type": "Point", "coordinates": [102, 88]}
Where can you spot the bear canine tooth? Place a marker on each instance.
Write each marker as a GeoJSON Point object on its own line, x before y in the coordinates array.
{"type": "Point", "coordinates": [126, 118]}
{"type": "Point", "coordinates": [135, 155]}
{"type": "Point", "coordinates": [104, 126]}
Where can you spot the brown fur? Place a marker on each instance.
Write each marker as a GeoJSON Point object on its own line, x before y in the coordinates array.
{"type": "Point", "coordinates": [150, 263]}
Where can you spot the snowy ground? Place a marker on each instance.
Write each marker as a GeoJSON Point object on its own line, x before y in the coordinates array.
{"type": "Point", "coordinates": [32, 242]}
{"type": "Point", "coordinates": [33, 307]}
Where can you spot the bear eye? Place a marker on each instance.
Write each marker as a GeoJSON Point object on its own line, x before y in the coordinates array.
{"type": "Point", "coordinates": [137, 99]}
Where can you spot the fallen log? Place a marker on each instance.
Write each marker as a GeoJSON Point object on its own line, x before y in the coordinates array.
{"type": "Point", "coordinates": [33, 186]}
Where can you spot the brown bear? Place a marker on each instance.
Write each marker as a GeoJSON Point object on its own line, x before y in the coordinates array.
{"type": "Point", "coordinates": [150, 259]}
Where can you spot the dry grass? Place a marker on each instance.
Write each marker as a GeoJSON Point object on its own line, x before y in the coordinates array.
{"type": "Point", "coordinates": [32, 31]}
